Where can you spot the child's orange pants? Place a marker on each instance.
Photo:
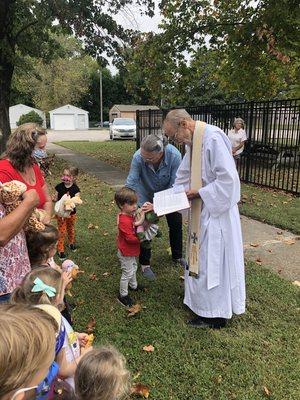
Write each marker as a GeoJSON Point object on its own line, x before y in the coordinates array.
{"type": "Point", "coordinates": [66, 227]}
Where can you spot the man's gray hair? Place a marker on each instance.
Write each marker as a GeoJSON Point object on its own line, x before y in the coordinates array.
{"type": "Point", "coordinates": [174, 117]}
{"type": "Point", "coordinates": [154, 143]}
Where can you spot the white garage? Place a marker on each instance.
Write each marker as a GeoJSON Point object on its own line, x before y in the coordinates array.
{"type": "Point", "coordinates": [69, 118]}
{"type": "Point", "coordinates": [16, 111]}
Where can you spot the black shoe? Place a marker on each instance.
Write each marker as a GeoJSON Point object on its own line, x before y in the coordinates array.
{"type": "Point", "coordinates": [73, 247]}
{"type": "Point", "coordinates": [125, 300]}
{"type": "Point", "coordinates": [200, 322]}
{"type": "Point", "coordinates": [139, 288]}
{"type": "Point", "coordinates": [62, 256]}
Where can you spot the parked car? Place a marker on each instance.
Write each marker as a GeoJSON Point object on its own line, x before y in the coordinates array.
{"type": "Point", "coordinates": [122, 128]}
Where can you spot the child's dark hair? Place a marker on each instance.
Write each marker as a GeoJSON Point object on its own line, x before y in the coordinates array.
{"type": "Point", "coordinates": [39, 244]}
{"type": "Point", "coordinates": [125, 195]}
{"type": "Point", "coordinates": [74, 171]}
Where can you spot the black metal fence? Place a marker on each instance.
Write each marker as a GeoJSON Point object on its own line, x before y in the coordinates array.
{"type": "Point", "coordinates": [271, 157]}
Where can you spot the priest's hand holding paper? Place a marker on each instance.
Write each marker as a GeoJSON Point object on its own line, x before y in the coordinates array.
{"type": "Point", "coordinates": [192, 194]}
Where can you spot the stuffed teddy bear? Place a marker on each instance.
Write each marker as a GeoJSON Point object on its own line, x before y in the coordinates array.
{"type": "Point", "coordinates": [70, 266]}
{"type": "Point", "coordinates": [146, 227]}
{"type": "Point", "coordinates": [66, 205]}
{"type": "Point", "coordinates": [11, 197]}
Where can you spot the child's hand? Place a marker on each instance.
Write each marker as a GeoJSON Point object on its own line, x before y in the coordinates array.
{"type": "Point", "coordinates": [66, 278]}
{"type": "Point", "coordinates": [146, 207]}
{"type": "Point", "coordinates": [82, 339]}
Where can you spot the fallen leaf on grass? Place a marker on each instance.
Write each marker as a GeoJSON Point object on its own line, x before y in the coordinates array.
{"type": "Point", "coordinates": [254, 244]}
{"type": "Point", "coordinates": [289, 241]}
{"type": "Point", "coordinates": [148, 348]}
{"type": "Point", "coordinates": [258, 261]}
{"type": "Point", "coordinates": [296, 283]}
{"type": "Point", "coordinates": [182, 278]}
{"type": "Point", "coordinates": [92, 226]}
{"type": "Point", "coordinates": [279, 271]}
{"type": "Point", "coordinates": [266, 391]}
{"type": "Point", "coordinates": [136, 376]}
{"type": "Point", "coordinates": [141, 390]}
{"type": "Point", "coordinates": [93, 277]}
{"type": "Point", "coordinates": [106, 273]}
{"type": "Point", "coordinates": [279, 232]}
{"type": "Point", "coordinates": [90, 326]}
{"type": "Point", "coordinates": [105, 233]}
{"type": "Point", "coordinates": [218, 379]}
{"type": "Point", "coordinates": [134, 310]}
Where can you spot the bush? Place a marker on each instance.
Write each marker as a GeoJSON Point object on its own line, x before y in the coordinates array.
{"type": "Point", "coordinates": [32, 116]}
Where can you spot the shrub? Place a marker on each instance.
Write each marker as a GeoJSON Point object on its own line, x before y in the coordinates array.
{"type": "Point", "coordinates": [32, 116]}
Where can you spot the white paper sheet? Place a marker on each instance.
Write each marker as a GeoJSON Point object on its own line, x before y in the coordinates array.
{"type": "Point", "coordinates": [170, 200]}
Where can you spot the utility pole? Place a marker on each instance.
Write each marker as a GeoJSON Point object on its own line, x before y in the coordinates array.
{"type": "Point", "coordinates": [101, 100]}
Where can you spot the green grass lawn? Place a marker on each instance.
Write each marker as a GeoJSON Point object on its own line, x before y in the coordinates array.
{"type": "Point", "coordinates": [258, 349]}
{"type": "Point", "coordinates": [274, 207]}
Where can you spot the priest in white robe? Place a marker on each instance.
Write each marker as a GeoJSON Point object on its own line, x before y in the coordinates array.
{"type": "Point", "coordinates": [219, 290]}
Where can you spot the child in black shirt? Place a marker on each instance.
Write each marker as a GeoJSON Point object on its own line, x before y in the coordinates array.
{"type": "Point", "coordinates": [66, 226]}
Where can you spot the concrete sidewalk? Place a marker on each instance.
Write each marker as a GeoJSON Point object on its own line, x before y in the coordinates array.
{"type": "Point", "coordinates": [277, 249]}
{"type": "Point", "coordinates": [101, 170]}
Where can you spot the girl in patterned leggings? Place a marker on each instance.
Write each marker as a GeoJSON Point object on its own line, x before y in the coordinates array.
{"type": "Point", "coordinates": [66, 226]}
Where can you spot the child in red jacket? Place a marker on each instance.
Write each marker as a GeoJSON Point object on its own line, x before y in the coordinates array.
{"type": "Point", "coordinates": [127, 242]}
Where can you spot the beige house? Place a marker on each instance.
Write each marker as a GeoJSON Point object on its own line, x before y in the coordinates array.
{"type": "Point", "coordinates": [127, 111]}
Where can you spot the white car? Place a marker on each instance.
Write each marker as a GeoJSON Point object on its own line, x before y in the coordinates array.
{"type": "Point", "coordinates": [122, 128]}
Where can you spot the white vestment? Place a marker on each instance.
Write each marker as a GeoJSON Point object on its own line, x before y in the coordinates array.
{"type": "Point", "coordinates": [220, 289]}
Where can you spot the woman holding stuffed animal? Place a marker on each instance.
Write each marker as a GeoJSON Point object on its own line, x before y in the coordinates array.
{"type": "Point", "coordinates": [18, 163]}
{"type": "Point", "coordinates": [66, 225]}
{"type": "Point", "coordinates": [153, 168]}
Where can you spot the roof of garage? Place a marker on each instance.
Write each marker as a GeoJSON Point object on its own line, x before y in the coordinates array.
{"type": "Point", "coordinates": [68, 109]}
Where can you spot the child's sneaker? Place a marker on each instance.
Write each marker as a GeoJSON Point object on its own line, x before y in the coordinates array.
{"type": "Point", "coordinates": [73, 247]}
{"type": "Point", "coordinates": [62, 256]}
{"type": "Point", "coordinates": [125, 300]}
{"type": "Point", "coordinates": [148, 274]}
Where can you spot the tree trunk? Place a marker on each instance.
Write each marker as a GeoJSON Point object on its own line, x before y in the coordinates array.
{"type": "Point", "coordinates": [7, 55]}
{"type": "Point", "coordinates": [6, 72]}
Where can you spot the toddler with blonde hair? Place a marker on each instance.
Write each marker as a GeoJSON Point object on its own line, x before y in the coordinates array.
{"type": "Point", "coordinates": [25, 355]}
{"type": "Point", "coordinates": [102, 375]}
{"type": "Point", "coordinates": [43, 286]}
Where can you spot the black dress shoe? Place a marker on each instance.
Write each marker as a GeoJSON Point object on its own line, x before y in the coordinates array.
{"type": "Point", "coordinates": [200, 322]}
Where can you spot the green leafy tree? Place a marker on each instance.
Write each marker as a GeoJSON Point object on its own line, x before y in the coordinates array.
{"type": "Point", "coordinates": [32, 116]}
{"type": "Point", "coordinates": [257, 42]}
{"type": "Point", "coordinates": [113, 92]}
{"type": "Point", "coordinates": [26, 26]}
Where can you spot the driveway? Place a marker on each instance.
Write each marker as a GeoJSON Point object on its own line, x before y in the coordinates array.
{"type": "Point", "coordinates": [90, 135]}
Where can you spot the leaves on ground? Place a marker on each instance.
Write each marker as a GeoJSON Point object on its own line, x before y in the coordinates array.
{"type": "Point", "coordinates": [90, 327]}
{"type": "Point", "coordinates": [135, 309]}
{"type": "Point", "coordinates": [148, 348]}
{"type": "Point", "coordinates": [92, 226]}
{"type": "Point", "coordinates": [289, 241]}
{"type": "Point", "coordinates": [266, 391]}
{"type": "Point", "coordinates": [138, 389]}
{"type": "Point", "coordinates": [254, 244]}
{"type": "Point", "coordinates": [93, 277]}
{"type": "Point", "coordinates": [258, 261]}
{"type": "Point", "coordinates": [296, 283]}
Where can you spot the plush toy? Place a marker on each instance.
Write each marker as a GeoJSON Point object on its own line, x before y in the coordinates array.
{"type": "Point", "coordinates": [70, 266]}
{"type": "Point", "coordinates": [66, 205]}
{"type": "Point", "coordinates": [146, 227]}
{"type": "Point", "coordinates": [90, 340]}
{"type": "Point", "coordinates": [11, 197]}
